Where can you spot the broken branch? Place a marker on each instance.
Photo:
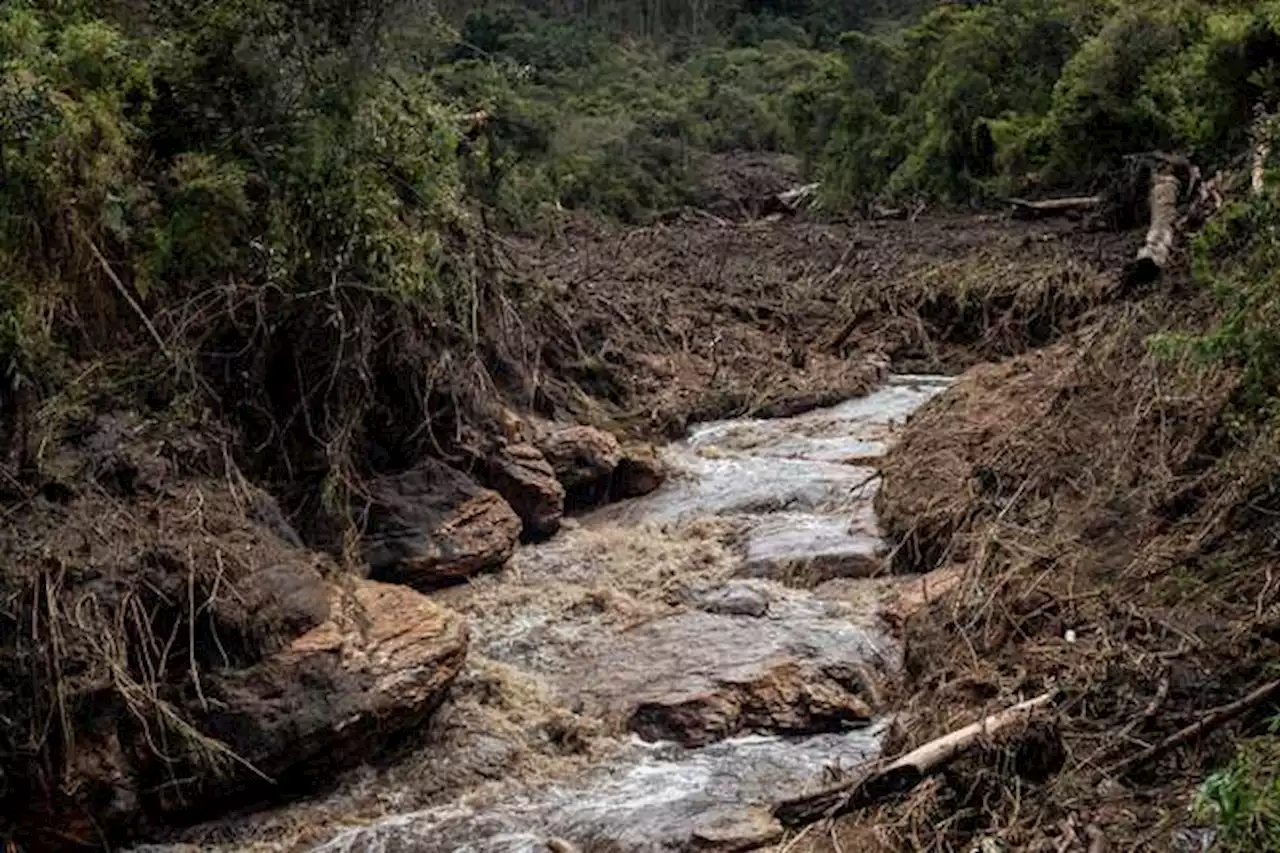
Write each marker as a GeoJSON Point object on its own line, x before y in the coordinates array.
{"type": "Point", "coordinates": [904, 773]}
{"type": "Point", "coordinates": [1054, 206]}
{"type": "Point", "coordinates": [1210, 721]}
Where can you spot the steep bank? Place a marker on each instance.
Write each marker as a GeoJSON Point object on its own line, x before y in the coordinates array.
{"type": "Point", "coordinates": [1112, 519]}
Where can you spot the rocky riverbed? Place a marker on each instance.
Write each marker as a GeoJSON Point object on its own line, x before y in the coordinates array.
{"type": "Point", "coordinates": [663, 670]}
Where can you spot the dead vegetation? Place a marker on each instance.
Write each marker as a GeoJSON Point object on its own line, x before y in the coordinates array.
{"type": "Point", "coordinates": [658, 327]}
{"type": "Point", "coordinates": [135, 572]}
{"type": "Point", "coordinates": [1115, 534]}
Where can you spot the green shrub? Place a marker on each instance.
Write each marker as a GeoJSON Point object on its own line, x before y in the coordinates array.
{"type": "Point", "coordinates": [1242, 801]}
{"type": "Point", "coordinates": [1237, 255]}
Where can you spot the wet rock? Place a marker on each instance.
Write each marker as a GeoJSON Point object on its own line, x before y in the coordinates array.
{"type": "Point", "coordinates": [698, 677]}
{"type": "Point", "coordinates": [433, 524]}
{"type": "Point", "coordinates": [742, 486]}
{"type": "Point", "coordinates": [524, 477]}
{"type": "Point", "coordinates": [583, 457]}
{"type": "Point", "coordinates": [805, 550]}
{"type": "Point", "coordinates": [735, 599]}
{"type": "Point", "coordinates": [272, 603]}
{"type": "Point", "coordinates": [168, 581]}
{"type": "Point", "coordinates": [335, 695]}
{"type": "Point", "coordinates": [732, 832]}
{"type": "Point", "coordinates": [639, 472]}
{"type": "Point", "coordinates": [659, 799]}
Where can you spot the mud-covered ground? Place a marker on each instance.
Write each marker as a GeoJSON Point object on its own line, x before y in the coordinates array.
{"type": "Point", "coordinates": [1115, 534]}
{"type": "Point", "coordinates": [700, 319]}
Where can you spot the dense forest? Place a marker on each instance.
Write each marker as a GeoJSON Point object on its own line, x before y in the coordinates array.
{"type": "Point", "coordinates": [291, 221]}
{"type": "Point", "coordinates": [155, 154]}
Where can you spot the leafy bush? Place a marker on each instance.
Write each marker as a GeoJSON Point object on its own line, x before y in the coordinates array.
{"type": "Point", "coordinates": [1237, 255]}
{"type": "Point", "coordinates": [74, 99]}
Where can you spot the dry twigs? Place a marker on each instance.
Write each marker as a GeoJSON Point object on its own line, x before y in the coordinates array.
{"type": "Point", "coordinates": [1214, 719]}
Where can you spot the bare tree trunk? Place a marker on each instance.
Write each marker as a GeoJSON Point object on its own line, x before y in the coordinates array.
{"type": "Point", "coordinates": [1153, 257]}
{"type": "Point", "coordinates": [1164, 209]}
{"type": "Point", "coordinates": [1054, 206]}
{"type": "Point", "coordinates": [1261, 149]}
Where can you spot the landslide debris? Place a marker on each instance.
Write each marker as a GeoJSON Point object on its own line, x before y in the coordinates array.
{"type": "Point", "coordinates": [652, 329]}
{"type": "Point", "coordinates": [167, 648]}
{"type": "Point", "coordinates": [1112, 532]}
{"type": "Point", "coordinates": [165, 618]}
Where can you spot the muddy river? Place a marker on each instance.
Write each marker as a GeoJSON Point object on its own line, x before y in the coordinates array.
{"type": "Point", "coordinates": [707, 650]}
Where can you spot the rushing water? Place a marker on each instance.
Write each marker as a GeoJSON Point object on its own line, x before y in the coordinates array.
{"type": "Point", "coordinates": [796, 492]}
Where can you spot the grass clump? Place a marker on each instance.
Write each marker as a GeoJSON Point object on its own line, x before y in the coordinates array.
{"type": "Point", "coordinates": [1242, 800]}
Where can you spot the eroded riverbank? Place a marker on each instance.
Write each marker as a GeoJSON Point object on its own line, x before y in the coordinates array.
{"type": "Point", "coordinates": [664, 670]}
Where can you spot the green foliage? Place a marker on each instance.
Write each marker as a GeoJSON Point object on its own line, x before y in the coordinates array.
{"type": "Point", "coordinates": [1243, 800]}
{"type": "Point", "coordinates": [975, 99]}
{"type": "Point", "coordinates": [582, 121]}
{"type": "Point", "coordinates": [917, 110]}
{"type": "Point", "coordinates": [530, 40]}
{"type": "Point", "coordinates": [1237, 255]}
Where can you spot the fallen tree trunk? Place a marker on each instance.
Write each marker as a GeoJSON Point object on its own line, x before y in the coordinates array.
{"type": "Point", "coordinates": [881, 212]}
{"type": "Point", "coordinates": [1261, 149]}
{"type": "Point", "coordinates": [1024, 209]}
{"type": "Point", "coordinates": [1164, 209]}
{"type": "Point", "coordinates": [1153, 257]}
{"type": "Point", "coordinates": [798, 196]}
{"type": "Point", "coordinates": [788, 201]}
{"type": "Point", "coordinates": [907, 771]}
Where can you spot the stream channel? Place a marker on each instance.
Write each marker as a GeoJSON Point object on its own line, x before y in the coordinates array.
{"type": "Point", "coordinates": [723, 636]}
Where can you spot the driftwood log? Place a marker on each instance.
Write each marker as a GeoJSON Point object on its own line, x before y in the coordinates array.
{"type": "Point", "coordinates": [1166, 187]}
{"type": "Point", "coordinates": [1023, 209]}
{"type": "Point", "coordinates": [907, 771]}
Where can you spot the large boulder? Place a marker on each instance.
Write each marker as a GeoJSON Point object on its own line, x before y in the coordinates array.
{"type": "Point", "coordinates": [595, 468]}
{"type": "Point", "coordinates": [337, 694]}
{"type": "Point", "coordinates": [639, 472]}
{"type": "Point", "coordinates": [758, 662]}
{"type": "Point", "coordinates": [581, 456]}
{"type": "Point", "coordinates": [183, 637]}
{"type": "Point", "coordinates": [524, 477]}
{"type": "Point", "coordinates": [432, 525]}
